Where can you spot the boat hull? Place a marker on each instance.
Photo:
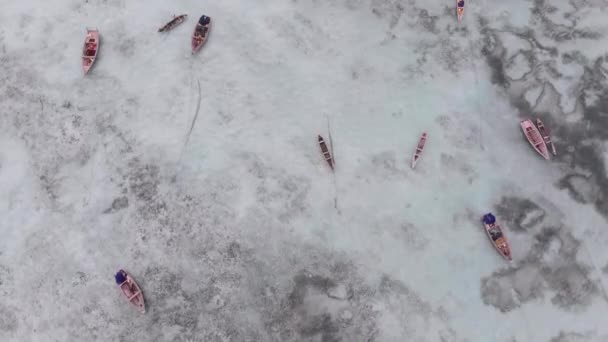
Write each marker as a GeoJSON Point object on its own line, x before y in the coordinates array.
{"type": "Point", "coordinates": [501, 245]}
{"type": "Point", "coordinates": [544, 132]}
{"type": "Point", "coordinates": [534, 138]}
{"type": "Point", "coordinates": [133, 293]}
{"type": "Point", "coordinates": [326, 153]}
{"type": "Point", "coordinates": [173, 23]}
{"type": "Point", "coordinates": [459, 12]}
{"type": "Point", "coordinates": [419, 149]}
{"type": "Point", "coordinates": [496, 235]}
{"type": "Point", "coordinates": [90, 50]}
{"type": "Point", "coordinates": [200, 36]}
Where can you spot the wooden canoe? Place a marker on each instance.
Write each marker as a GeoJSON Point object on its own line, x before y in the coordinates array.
{"type": "Point", "coordinates": [133, 293]}
{"type": "Point", "coordinates": [173, 23]}
{"type": "Point", "coordinates": [326, 152]}
{"type": "Point", "coordinates": [497, 237]}
{"type": "Point", "coordinates": [419, 149]}
{"type": "Point", "coordinates": [534, 137]}
{"type": "Point", "coordinates": [201, 33]}
{"type": "Point", "coordinates": [459, 11]}
{"type": "Point", "coordinates": [544, 132]}
{"type": "Point", "coordinates": [89, 50]}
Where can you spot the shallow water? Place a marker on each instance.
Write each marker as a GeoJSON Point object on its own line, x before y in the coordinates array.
{"type": "Point", "coordinates": [240, 232]}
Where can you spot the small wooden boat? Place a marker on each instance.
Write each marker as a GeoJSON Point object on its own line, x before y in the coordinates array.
{"type": "Point", "coordinates": [89, 51]}
{"type": "Point", "coordinates": [534, 137]}
{"type": "Point", "coordinates": [459, 9]}
{"type": "Point", "coordinates": [496, 236]}
{"type": "Point", "coordinates": [544, 132]}
{"type": "Point", "coordinates": [419, 149]}
{"type": "Point", "coordinates": [131, 290]}
{"type": "Point", "coordinates": [173, 23]}
{"type": "Point", "coordinates": [201, 32]}
{"type": "Point", "coordinates": [326, 153]}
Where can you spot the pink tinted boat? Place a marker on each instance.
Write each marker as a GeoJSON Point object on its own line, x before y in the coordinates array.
{"type": "Point", "coordinates": [544, 132]}
{"type": "Point", "coordinates": [201, 33]}
{"type": "Point", "coordinates": [459, 9]}
{"type": "Point", "coordinates": [89, 51]}
{"type": "Point", "coordinates": [496, 236]}
{"type": "Point", "coordinates": [534, 137]}
{"type": "Point", "coordinates": [419, 149]}
{"type": "Point", "coordinates": [133, 293]}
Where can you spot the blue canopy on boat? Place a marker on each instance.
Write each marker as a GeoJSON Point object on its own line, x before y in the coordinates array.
{"type": "Point", "coordinates": [204, 20]}
{"type": "Point", "coordinates": [120, 277]}
{"type": "Point", "coordinates": [489, 218]}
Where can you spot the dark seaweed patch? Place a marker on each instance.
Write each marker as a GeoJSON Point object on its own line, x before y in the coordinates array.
{"type": "Point", "coordinates": [495, 291]}
{"type": "Point", "coordinates": [551, 259]}
{"type": "Point", "coordinates": [322, 325]}
{"type": "Point", "coordinates": [303, 281]}
{"type": "Point", "coordinates": [118, 204]}
{"type": "Point", "coordinates": [592, 96]}
{"type": "Point", "coordinates": [519, 214]}
{"type": "Point", "coordinates": [144, 180]}
{"type": "Point", "coordinates": [8, 319]}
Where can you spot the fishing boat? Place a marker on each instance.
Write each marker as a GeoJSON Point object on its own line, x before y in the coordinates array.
{"type": "Point", "coordinates": [459, 9]}
{"type": "Point", "coordinates": [544, 132]}
{"type": "Point", "coordinates": [496, 236]}
{"type": "Point", "coordinates": [326, 153]}
{"type": "Point", "coordinates": [534, 137]}
{"type": "Point", "coordinates": [131, 290]}
{"type": "Point", "coordinates": [201, 32]}
{"type": "Point", "coordinates": [89, 50]}
{"type": "Point", "coordinates": [419, 149]}
{"type": "Point", "coordinates": [173, 23]}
